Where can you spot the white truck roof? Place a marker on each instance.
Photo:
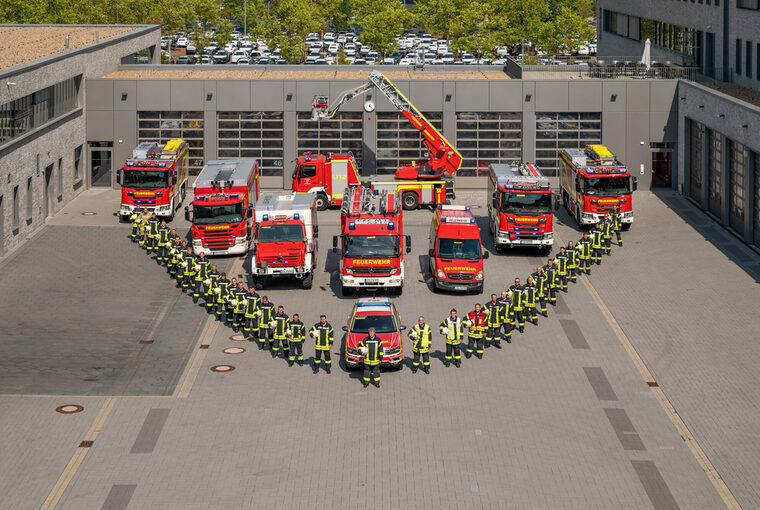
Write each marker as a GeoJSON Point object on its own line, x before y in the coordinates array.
{"type": "Point", "coordinates": [518, 176]}
{"type": "Point", "coordinates": [294, 202]}
{"type": "Point", "coordinates": [226, 172]}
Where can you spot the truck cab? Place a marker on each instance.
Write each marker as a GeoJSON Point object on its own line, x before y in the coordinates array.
{"type": "Point", "coordinates": [325, 176]}
{"type": "Point", "coordinates": [455, 252]}
{"type": "Point", "coordinates": [520, 207]}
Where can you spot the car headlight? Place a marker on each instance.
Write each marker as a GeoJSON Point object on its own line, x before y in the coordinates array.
{"type": "Point", "coordinates": [392, 351]}
{"type": "Point", "coordinates": [355, 352]}
{"type": "Point", "coordinates": [348, 270]}
{"type": "Point", "coordinates": [479, 275]}
{"type": "Point", "coordinates": [440, 274]}
{"type": "Point", "coordinates": [549, 235]}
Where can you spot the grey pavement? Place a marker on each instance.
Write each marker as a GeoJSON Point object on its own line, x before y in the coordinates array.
{"type": "Point", "coordinates": [547, 422]}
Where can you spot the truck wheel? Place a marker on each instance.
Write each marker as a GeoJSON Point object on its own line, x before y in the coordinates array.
{"type": "Point", "coordinates": [307, 281]}
{"type": "Point", "coordinates": [410, 200]}
{"type": "Point", "coordinates": [347, 291]}
{"type": "Point", "coordinates": [258, 283]}
{"type": "Point", "coordinates": [322, 202]}
{"type": "Point", "coordinates": [564, 201]}
{"type": "Point", "coordinates": [626, 226]}
{"type": "Point", "coordinates": [399, 290]}
{"type": "Point", "coordinates": [498, 248]}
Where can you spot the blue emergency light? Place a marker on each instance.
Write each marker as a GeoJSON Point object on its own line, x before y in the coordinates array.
{"type": "Point", "coordinates": [162, 164]}
{"type": "Point", "coordinates": [308, 158]}
{"type": "Point", "coordinates": [472, 220]}
{"type": "Point", "coordinates": [391, 225]}
{"type": "Point", "coordinates": [467, 208]}
{"type": "Point", "coordinates": [590, 171]}
{"type": "Point", "coordinates": [129, 163]}
{"type": "Point", "coordinates": [296, 216]}
{"type": "Point", "coordinates": [265, 217]}
{"type": "Point", "coordinates": [351, 225]}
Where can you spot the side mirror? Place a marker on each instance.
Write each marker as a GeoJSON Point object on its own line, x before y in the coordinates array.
{"type": "Point", "coordinates": [486, 255]}
{"type": "Point", "coordinates": [250, 210]}
{"type": "Point", "coordinates": [345, 328]}
{"type": "Point", "coordinates": [635, 184]}
{"type": "Point", "coordinates": [402, 328]}
{"type": "Point", "coordinates": [555, 196]}
{"type": "Point", "coordinates": [316, 230]}
{"type": "Point", "coordinates": [431, 253]}
{"type": "Point", "coordinates": [118, 176]}
{"type": "Point", "coordinates": [335, 244]}
{"type": "Point", "coordinates": [409, 244]}
{"type": "Point", "coordinates": [495, 201]}
{"type": "Point", "coordinates": [187, 213]}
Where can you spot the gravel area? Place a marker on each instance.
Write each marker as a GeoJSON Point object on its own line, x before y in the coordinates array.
{"type": "Point", "coordinates": [307, 72]}
{"type": "Point", "coordinates": [749, 95]}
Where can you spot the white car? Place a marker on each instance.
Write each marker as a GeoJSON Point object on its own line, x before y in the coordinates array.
{"type": "Point", "coordinates": [428, 58]}
{"type": "Point", "coordinates": [442, 50]}
{"type": "Point", "coordinates": [583, 50]}
{"type": "Point", "coordinates": [364, 51]}
{"type": "Point", "coordinates": [247, 46]}
{"type": "Point", "coordinates": [329, 37]}
{"type": "Point", "coordinates": [313, 36]}
{"type": "Point", "coordinates": [502, 51]}
{"type": "Point", "coordinates": [341, 39]}
{"type": "Point", "coordinates": [592, 48]}
{"type": "Point", "coordinates": [182, 42]}
{"type": "Point", "coordinates": [242, 61]}
{"type": "Point", "coordinates": [237, 55]}
{"type": "Point", "coordinates": [333, 48]}
{"type": "Point", "coordinates": [467, 58]}
{"type": "Point", "coordinates": [499, 62]}
{"type": "Point", "coordinates": [230, 47]}
{"type": "Point", "coordinates": [406, 61]}
{"type": "Point", "coordinates": [448, 58]}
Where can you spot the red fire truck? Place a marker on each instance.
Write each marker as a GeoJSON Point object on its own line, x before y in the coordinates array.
{"type": "Point", "coordinates": [595, 183]}
{"type": "Point", "coordinates": [456, 255]}
{"type": "Point", "coordinates": [329, 175]}
{"type": "Point", "coordinates": [372, 241]}
{"type": "Point", "coordinates": [222, 210]}
{"type": "Point", "coordinates": [154, 178]}
{"type": "Point", "coordinates": [520, 207]}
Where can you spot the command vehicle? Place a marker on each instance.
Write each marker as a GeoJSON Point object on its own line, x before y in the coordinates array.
{"type": "Point", "coordinates": [154, 178]}
{"type": "Point", "coordinates": [455, 252]}
{"type": "Point", "coordinates": [414, 181]}
{"type": "Point", "coordinates": [520, 206]}
{"type": "Point", "coordinates": [381, 314]}
{"type": "Point", "coordinates": [595, 183]}
{"type": "Point", "coordinates": [222, 209]}
{"type": "Point", "coordinates": [371, 241]}
{"type": "Point", "coordinates": [285, 238]}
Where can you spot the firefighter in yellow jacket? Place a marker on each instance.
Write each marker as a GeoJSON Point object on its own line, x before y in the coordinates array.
{"type": "Point", "coordinates": [421, 340]}
{"type": "Point", "coordinates": [452, 328]}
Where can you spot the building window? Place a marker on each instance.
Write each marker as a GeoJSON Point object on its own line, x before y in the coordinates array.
{"type": "Point", "coordinates": [16, 199]}
{"type": "Point", "coordinates": [78, 164]}
{"type": "Point", "coordinates": [738, 160]}
{"type": "Point", "coordinates": [399, 143]}
{"type": "Point", "coordinates": [341, 134]}
{"type": "Point", "coordinates": [485, 137]}
{"type": "Point", "coordinates": [756, 193]}
{"type": "Point", "coordinates": [252, 135]}
{"type": "Point", "coordinates": [60, 179]}
{"type": "Point", "coordinates": [682, 40]}
{"type": "Point", "coordinates": [163, 126]}
{"type": "Point", "coordinates": [748, 4]}
{"type": "Point", "coordinates": [557, 131]}
{"type": "Point", "coordinates": [696, 152]}
{"type": "Point", "coordinates": [32, 111]}
{"type": "Point", "coordinates": [715, 172]}
{"type": "Point", "coordinates": [757, 61]}
{"type": "Point", "coordinates": [738, 57]}
{"type": "Point", "coordinates": [29, 200]}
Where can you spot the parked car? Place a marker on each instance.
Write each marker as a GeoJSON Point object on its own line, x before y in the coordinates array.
{"type": "Point", "coordinates": [182, 42]}
{"type": "Point", "coordinates": [359, 62]}
{"type": "Point", "coordinates": [221, 57]}
{"type": "Point", "coordinates": [381, 314]}
{"type": "Point", "coordinates": [448, 58]}
{"type": "Point", "coordinates": [467, 58]}
{"type": "Point", "coordinates": [243, 61]}
{"type": "Point", "coordinates": [237, 55]}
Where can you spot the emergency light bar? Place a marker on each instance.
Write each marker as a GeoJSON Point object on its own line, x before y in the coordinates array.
{"type": "Point", "coordinates": [454, 207]}
{"type": "Point", "coordinates": [370, 221]}
{"type": "Point", "coordinates": [607, 170]}
{"type": "Point", "coordinates": [448, 219]}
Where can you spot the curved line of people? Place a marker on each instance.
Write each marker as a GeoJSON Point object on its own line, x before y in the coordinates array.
{"type": "Point", "coordinates": [260, 321]}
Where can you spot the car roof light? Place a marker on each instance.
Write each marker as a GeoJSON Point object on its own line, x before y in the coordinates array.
{"type": "Point", "coordinates": [391, 225]}
{"type": "Point", "coordinates": [265, 217]}
{"type": "Point", "coordinates": [296, 216]}
{"type": "Point", "coordinates": [352, 225]}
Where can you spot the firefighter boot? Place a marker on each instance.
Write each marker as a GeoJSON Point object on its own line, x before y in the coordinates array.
{"type": "Point", "coordinates": [457, 363]}
{"type": "Point", "coordinates": [365, 384]}
{"type": "Point", "coordinates": [316, 369]}
{"type": "Point", "coordinates": [327, 369]}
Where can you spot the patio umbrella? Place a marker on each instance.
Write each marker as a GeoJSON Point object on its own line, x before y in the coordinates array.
{"type": "Point", "coordinates": [646, 58]}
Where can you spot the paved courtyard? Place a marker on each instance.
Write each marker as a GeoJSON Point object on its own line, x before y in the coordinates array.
{"type": "Point", "coordinates": [560, 418]}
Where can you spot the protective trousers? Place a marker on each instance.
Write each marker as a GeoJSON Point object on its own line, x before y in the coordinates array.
{"type": "Point", "coordinates": [553, 296]}
{"type": "Point", "coordinates": [596, 255]}
{"type": "Point", "coordinates": [220, 311]}
{"type": "Point", "coordinates": [519, 319]}
{"type": "Point", "coordinates": [275, 347]}
{"type": "Point", "coordinates": [251, 328]}
{"type": "Point", "coordinates": [135, 230]}
{"type": "Point", "coordinates": [607, 245]}
{"type": "Point", "coordinates": [328, 362]}
{"type": "Point", "coordinates": [474, 343]}
{"type": "Point", "coordinates": [573, 276]}
{"type": "Point", "coordinates": [296, 353]}
{"type": "Point", "coordinates": [493, 334]}
{"type": "Point", "coordinates": [457, 356]}
{"type": "Point", "coordinates": [374, 371]}
{"type": "Point", "coordinates": [425, 361]}
{"type": "Point", "coordinates": [542, 305]}
{"type": "Point", "coordinates": [163, 254]}
{"type": "Point", "coordinates": [532, 314]}
{"type": "Point", "coordinates": [196, 290]}
{"type": "Point", "coordinates": [508, 327]}
{"type": "Point", "coordinates": [563, 282]}
{"type": "Point", "coordinates": [619, 236]}
{"type": "Point", "coordinates": [585, 265]}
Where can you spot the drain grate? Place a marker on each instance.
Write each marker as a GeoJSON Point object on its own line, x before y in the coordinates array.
{"type": "Point", "coordinates": [204, 346]}
{"type": "Point", "coordinates": [86, 444]}
{"type": "Point", "coordinates": [146, 342]}
{"type": "Point", "coordinates": [69, 409]}
{"type": "Point", "coordinates": [653, 384]}
{"type": "Point", "coordinates": [222, 368]}
{"type": "Point", "coordinates": [89, 213]}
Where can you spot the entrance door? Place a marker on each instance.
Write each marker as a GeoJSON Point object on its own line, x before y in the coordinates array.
{"type": "Point", "coordinates": [101, 164]}
{"type": "Point", "coordinates": [662, 165]}
{"type": "Point", "coordinates": [48, 192]}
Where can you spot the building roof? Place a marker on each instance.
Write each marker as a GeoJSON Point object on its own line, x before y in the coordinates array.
{"type": "Point", "coordinates": [24, 44]}
{"type": "Point", "coordinates": [217, 72]}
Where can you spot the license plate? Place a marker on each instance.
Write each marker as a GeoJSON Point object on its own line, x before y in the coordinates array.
{"type": "Point", "coordinates": [277, 271]}
{"type": "Point", "coordinates": [460, 287]}
{"type": "Point", "coordinates": [371, 280]}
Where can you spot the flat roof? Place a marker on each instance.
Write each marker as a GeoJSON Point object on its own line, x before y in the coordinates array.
{"type": "Point", "coordinates": [300, 72]}
{"type": "Point", "coordinates": [24, 44]}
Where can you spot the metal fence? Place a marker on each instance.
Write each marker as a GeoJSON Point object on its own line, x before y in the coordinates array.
{"type": "Point", "coordinates": [609, 69]}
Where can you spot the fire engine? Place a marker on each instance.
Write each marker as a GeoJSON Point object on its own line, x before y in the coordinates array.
{"type": "Point", "coordinates": [154, 178]}
{"type": "Point", "coordinates": [595, 183]}
{"type": "Point", "coordinates": [285, 238]}
{"type": "Point", "coordinates": [222, 210]}
{"type": "Point", "coordinates": [372, 241]}
{"type": "Point", "coordinates": [328, 175]}
{"type": "Point", "coordinates": [455, 252]}
{"type": "Point", "coordinates": [520, 206]}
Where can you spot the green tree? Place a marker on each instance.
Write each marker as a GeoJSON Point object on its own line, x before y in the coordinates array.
{"type": "Point", "coordinates": [567, 31]}
{"type": "Point", "coordinates": [437, 16]}
{"type": "Point", "coordinates": [382, 21]}
{"type": "Point", "coordinates": [224, 32]}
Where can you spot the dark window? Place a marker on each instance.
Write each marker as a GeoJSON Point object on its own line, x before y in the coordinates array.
{"type": "Point", "coordinates": [78, 164]}
{"type": "Point", "coordinates": [748, 60]}
{"type": "Point", "coordinates": [29, 199]}
{"type": "Point", "coordinates": [162, 126]}
{"type": "Point", "coordinates": [252, 135]}
{"type": "Point", "coordinates": [738, 64]}
{"type": "Point", "coordinates": [15, 208]}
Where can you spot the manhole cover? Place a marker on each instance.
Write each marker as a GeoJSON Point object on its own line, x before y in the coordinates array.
{"type": "Point", "coordinates": [89, 213]}
{"type": "Point", "coordinates": [476, 207]}
{"type": "Point", "coordinates": [222, 368]}
{"type": "Point", "coordinates": [69, 409]}
{"type": "Point", "coordinates": [239, 337]}
{"type": "Point", "coordinates": [233, 350]}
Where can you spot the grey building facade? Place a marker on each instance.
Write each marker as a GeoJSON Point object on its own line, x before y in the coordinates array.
{"type": "Point", "coordinates": [720, 37]}
{"type": "Point", "coordinates": [43, 151]}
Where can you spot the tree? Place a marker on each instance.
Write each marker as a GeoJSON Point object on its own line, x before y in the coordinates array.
{"type": "Point", "coordinates": [224, 32]}
{"type": "Point", "coordinates": [437, 15]}
{"type": "Point", "coordinates": [565, 32]}
{"type": "Point", "coordinates": [382, 21]}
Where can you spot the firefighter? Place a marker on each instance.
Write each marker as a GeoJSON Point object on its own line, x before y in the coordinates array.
{"type": "Point", "coordinates": [281, 333]}
{"type": "Point", "coordinates": [507, 324]}
{"type": "Point", "coordinates": [607, 231]}
{"type": "Point", "coordinates": [372, 348]}
{"type": "Point", "coordinates": [493, 322]}
{"type": "Point", "coordinates": [221, 290]}
{"type": "Point", "coordinates": [552, 279]}
{"type": "Point", "coordinates": [617, 226]}
{"type": "Point", "coordinates": [189, 262]}
{"type": "Point", "coordinates": [142, 222]}
{"type": "Point", "coordinates": [572, 262]}
{"type": "Point", "coordinates": [211, 281]}
{"type": "Point", "coordinates": [239, 311]}
{"type": "Point", "coordinates": [585, 253]}
{"type": "Point", "coordinates": [542, 284]}
{"type": "Point", "coordinates": [181, 253]}
{"type": "Point", "coordinates": [453, 329]}
{"type": "Point", "coordinates": [561, 261]}
{"type": "Point", "coordinates": [476, 322]}
{"type": "Point", "coordinates": [517, 304]}
{"type": "Point", "coordinates": [421, 336]}
{"type": "Point", "coordinates": [251, 327]}
{"type": "Point", "coordinates": [134, 216]}
{"type": "Point", "coordinates": [171, 253]}
{"type": "Point", "coordinates": [322, 332]}
{"type": "Point", "coordinates": [153, 226]}
{"type": "Point", "coordinates": [297, 336]}
{"type": "Point", "coordinates": [596, 244]}
{"type": "Point", "coordinates": [202, 267]}
{"type": "Point", "coordinates": [162, 243]}
{"type": "Point", "coordinates": [231, 302]}
{"type": "Point", "coordinates": [266, 310]}
{"type": "Point", "coordinates": [530, 298]}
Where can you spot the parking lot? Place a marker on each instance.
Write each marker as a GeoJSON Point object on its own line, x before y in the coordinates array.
{"type": "Point", "coordinates": [560, 418]}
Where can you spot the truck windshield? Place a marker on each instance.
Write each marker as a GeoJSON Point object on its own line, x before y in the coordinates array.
{"type": "Point", "coordinates": [145, 179]}
{"type": "Point", "coordinates": [607, 186]}
{"type": "Point", "coordinates": [459, 249]}
{"type": "Point", "coordinates": [381, 323]}
{"type": "Point", "coordinates": [280, 233]}
{"type": "Point", "coordinates": [217, 214]}
{"type": "Point", "coordinates": [526, 203]}
{"type": "Point", "coordinates": [304, 172]}
{"type": "Point", "coordinates": [371, 247]}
